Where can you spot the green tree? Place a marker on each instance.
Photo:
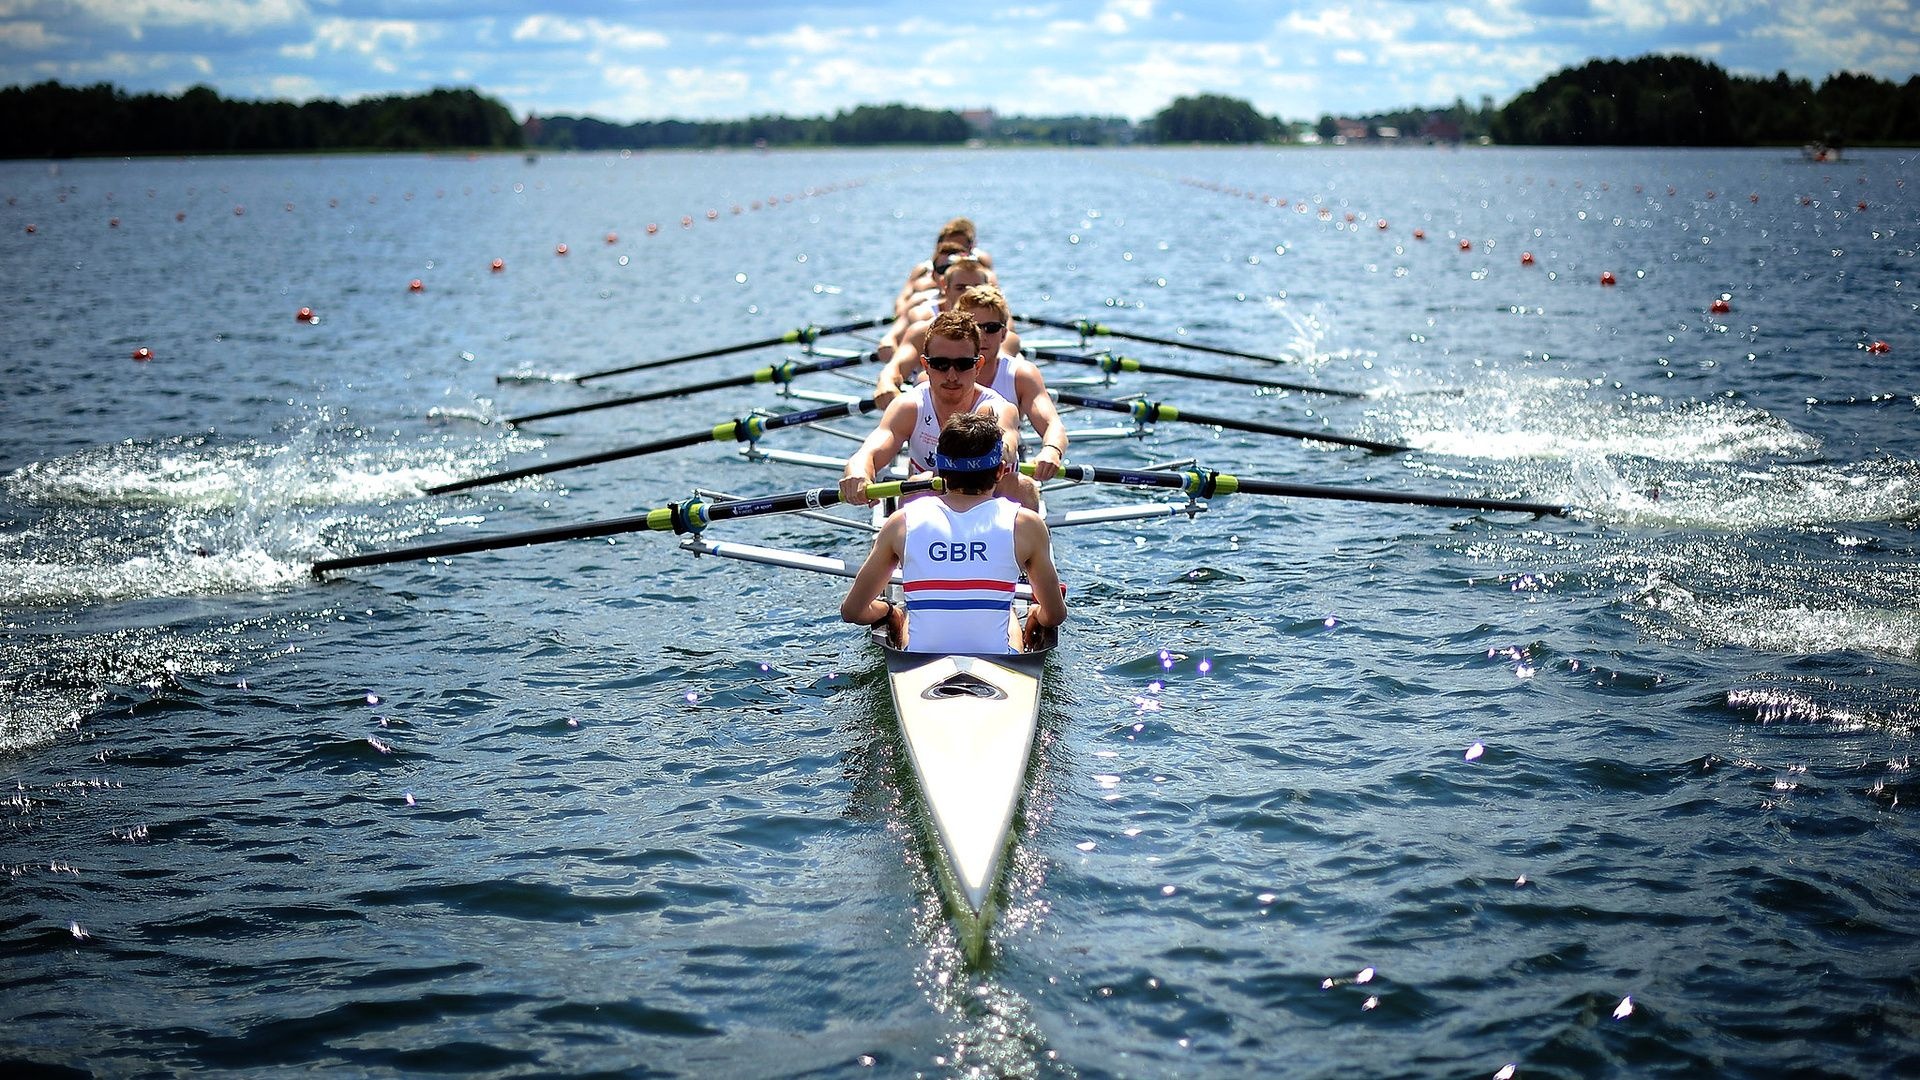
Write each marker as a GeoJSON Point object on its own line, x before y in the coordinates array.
{"type": "Point", "coordinates": [1211, 118]}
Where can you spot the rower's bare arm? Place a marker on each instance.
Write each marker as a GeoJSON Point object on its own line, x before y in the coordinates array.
{"type": "Point", "coordinates": [1009, 418]}
{"type": "Point", "coordinates": [876, 451]}
{"type": "Point", "coordinates": [1035, 551]}
{"type": "Point", "coordinates": [863, 604]}
{"type": "Point", "coordinates": [899, 373]}
{"type": "Point", "coordinates": [1039, 409]}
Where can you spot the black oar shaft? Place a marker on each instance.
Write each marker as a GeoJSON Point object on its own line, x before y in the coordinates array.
{"type": "Point", "coordinates": [778, 373]}
{"type": "Point", "coordinates": [1201, 484]}
{"type": "Point", "coordinates": [806, 334]}
{"type": "Point", "coordinates": [1149, 412]}
{"type": "Point", "coordinates": [1114, 364]}
{"type": "Point", "coordinates": [690, 516]}
{"type": "Point", "coordinates": [743, 430]}
{"type": "Point", "coordinates": [1087, 328]}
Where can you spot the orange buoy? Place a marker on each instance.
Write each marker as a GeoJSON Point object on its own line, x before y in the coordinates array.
{"type": "Point", "coordinates": [652, 228]}
{"type": "Point", "coordinates": [1606, 278]}
{"type": "Point", "coordinates": [1349, 216]}
{"type": "Point", "coordinates": [1753, 197]}
{"type": "Point", "coordinates": [613, 238]}
{"type": "Point", "coordinates": [499, 265]}
{"type": "Point", "coordinates": [1861, 205]}
{"type": "Point", "coordinates": [143, 354]}
{"type": "Point", "coordinates": [713, 215]}
{"type": "Point", "coordinates": [1879, 347]}
{"type": "Point", "coordinates": [686, 221]}
{"type": "Point", "coordinates": [1419, 234]}
{"type": "Point", "coordinates": [1720, 307]}
{"type": "Point", "coordinates": [1466, 245]}
{"type": "Point", "coordinates": [1526, 258]}
{"type": "Point", "coordinates": [1806, 200]}
{"type": "Point", "coordinates": [32, 228]}
{"type": "Point", "coordinates": [113, 223]}
{"type": "Point", "coordinates": [1381, 224]}
{"type": "Point", "coordinates": [305, 315]}
{"type": "Point", "coordinates": [560, 249]}
{"type": "Point", "coordinates": [416, 285]}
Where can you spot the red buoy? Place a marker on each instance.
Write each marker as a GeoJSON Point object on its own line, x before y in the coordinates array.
{"type": "Point", "coordinates": [1861, 205]}
{"type": "Point", "coordinates": [1419, 234]}
{"type": "Point", "coordinates": [1466, 245]}
{"type": "Point", "coordinates": [1606, 278]}
{"type": "Point", "coordinates": [1720, 307]}
{"type": "Point", "coordinates": [613, 238]}
{"type": "Point", "coordinates": [32, 228]}
{"type": "Point", "coordinates": [1381, 224]}
{"type": "Point", "coordinates": [560, 249]}
{"type": "Point", "coordinates": [1879, 347]}
{"type": "Point", "coordinates": [713, 215]}
{"type": "Point", "coordinates": [239, 211]}
{"type": "Point", "coordinates": [113, 223]}
{"type": "Point", "coordinates": [686, 221]}
{"type": "Point", "coordinates": [416, 285]}
{"type": "Point", "coordinates": [180, 215]}
{"type": "Point", "coordinates": [305, 315]}
{"type": "Point", "coordinates": [1754, 197]}
{"type": "Point", "coordinates": [1526, 258]}
{"type": "Point", "coordinates": [143, 354]}
{"type": "Point", "coordinates": [499, 265]}
{"type": "Point", "coordinates": [652, 228]}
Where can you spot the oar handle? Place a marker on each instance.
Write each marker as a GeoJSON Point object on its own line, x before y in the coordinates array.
{"type": "Point", "coordinates": [806, 334]}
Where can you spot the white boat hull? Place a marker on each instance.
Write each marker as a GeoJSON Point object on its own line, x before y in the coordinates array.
{"type": "Point", "coordinates": [969, 725]}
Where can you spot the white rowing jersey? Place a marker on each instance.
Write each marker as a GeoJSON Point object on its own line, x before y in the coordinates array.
{"type": "Point", "coordinates": [959, 571]}
{"type": "Point", "coordinates": [1002, 383]}
{"type": "Point", "coordinates": [926, 425]}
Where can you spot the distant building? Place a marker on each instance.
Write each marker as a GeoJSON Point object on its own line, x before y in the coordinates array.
{"type": "Point", "coordinates": [1345, 130]}
{"type": "Point", "coordinates": [530, 130]}
{"type": "Point", "coordinates": [1440, 129]}
{"type": "Point", "coordinates": [1386, 134]}
{"type": "Point", "coordinates": [980, 120]}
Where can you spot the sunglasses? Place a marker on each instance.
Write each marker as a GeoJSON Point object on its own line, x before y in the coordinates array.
{"type": "Point", "coordinates": [952, 363]}
{"type": "Point", "coordinates": [990, 327]}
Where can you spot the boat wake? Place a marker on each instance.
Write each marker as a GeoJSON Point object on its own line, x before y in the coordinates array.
{"type": "Point", "coordinates": [193, 517]}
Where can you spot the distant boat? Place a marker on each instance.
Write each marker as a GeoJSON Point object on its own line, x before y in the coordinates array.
{"type": "Point", "coordinates": [1820, 153]}
{"type": "Point", "coordinates": [533, 158]}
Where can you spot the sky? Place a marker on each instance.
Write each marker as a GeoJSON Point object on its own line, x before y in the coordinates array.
{"type": "Point", "coordinates": [729, 59]}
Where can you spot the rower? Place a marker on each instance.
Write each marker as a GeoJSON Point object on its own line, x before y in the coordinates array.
{"type": "Point", "coordinates": [962, 273]}
{"type": "Point", "coordinates": [914, 420]}
{"type": "Point", "coordinates": [961, 555]}
{"type": "Point", "coordinates": [923, 283]}
{"type": "Point", "coordinates": [1002, 368]}
{"type": "Point", "coordinates": [958, 231]}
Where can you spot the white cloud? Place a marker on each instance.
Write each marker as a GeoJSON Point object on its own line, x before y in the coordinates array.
{"type": "Point", "coordinates": [28, 36]}
{"type": "Point", "coordinates": [556, 30]}
{"type": "Point", "coordinates": [367, 36]}
{"type": "Point", "coordinates": [550, 30]}
{"type": "Point", "coordinates": [210, 15]}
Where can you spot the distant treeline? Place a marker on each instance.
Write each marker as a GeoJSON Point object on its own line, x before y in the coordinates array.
{"type": "Point", "coordinates": [1648, 101]}
{"type": "Point", "coordinates": [1680, 101]}
{"type": "Point", "coordinates": [868, 125]}
{"type": "Point", "coordinates": [51, 120]}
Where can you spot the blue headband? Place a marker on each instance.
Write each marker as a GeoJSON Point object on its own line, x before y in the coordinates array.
{"type": "Point", "coordinates": [990, 460]}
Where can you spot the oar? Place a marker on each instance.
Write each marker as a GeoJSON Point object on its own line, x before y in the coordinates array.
{"type": "Point", "coordinates": [1205, 484]}
{"type": "Point", "coordinates": [743, 430]}
{"type": "Point", "coordinates": [1149, 411]}
{"type": "Point", "coordinates": [1111, 364]}
{"type": "Point", "coordinates": [777, 373]}
{"type": "Point", "coordinates": [690, 516]}
{"type": "Point", "coordinates": [806, 334]}
{"type": "Point", "coordinates": [1086, 328]}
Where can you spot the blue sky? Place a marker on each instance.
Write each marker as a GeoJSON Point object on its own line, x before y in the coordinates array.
{"type": "Point", "coordinates": [734, 58]}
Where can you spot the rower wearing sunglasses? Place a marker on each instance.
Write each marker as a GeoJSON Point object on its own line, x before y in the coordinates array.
{"type": "Point", "coordinates": [950, 347]}
{"type": "Point", "coordinates": [963, 272]}
{"type": "Point", "coordinates": [958, 232]}
{"type": "Point", "coordinates": [1002, 369]}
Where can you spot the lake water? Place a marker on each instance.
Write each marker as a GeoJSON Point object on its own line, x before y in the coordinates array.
{"type": "Point", "coordinates": [1323, 788]}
